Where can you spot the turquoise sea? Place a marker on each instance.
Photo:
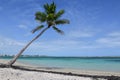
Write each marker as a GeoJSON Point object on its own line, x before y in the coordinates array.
{"type": "Point", "coordinates": [111, 64]}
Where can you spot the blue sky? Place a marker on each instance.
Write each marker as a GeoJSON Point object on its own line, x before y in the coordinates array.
{"type": "Point", "coordinates": [94, 28]}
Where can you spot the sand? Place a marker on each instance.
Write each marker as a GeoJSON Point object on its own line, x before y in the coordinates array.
{"type": "Point", "coordinates": [12, 74]}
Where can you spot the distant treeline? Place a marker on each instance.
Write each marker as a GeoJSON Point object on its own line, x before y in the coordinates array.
{"type": "Point", "coordinates": [82, 57]}
{"type": "Point", "coordinates": [23, 56]}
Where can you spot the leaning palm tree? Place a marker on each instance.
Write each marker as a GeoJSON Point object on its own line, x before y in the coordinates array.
{"type": "Point", "coordinates": [50, 17]}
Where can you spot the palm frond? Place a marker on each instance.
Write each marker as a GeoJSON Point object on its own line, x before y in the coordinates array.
{"type": "Point", "coordinates": [59, 14]}
{"type": "Point", "coordinates": [40, 16]}
{"type": "Point", "coordinates": [37, 28]}
{"type": "Point", "coordinates": [53, 7]}
{"type": "Point", "coordinates": [50, 8]}
{"type": "Point", "coordinates": [46, 7]}
{"type": "Point", "coordinates": [62, 21]}
{"type": "Point", "coordinates": [58, 30]}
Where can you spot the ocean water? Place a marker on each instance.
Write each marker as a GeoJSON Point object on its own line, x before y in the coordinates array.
{"type": "Point", "coordinates": [111, 64]}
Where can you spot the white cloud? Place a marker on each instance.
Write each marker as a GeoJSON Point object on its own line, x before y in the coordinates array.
{"type": "Point", "coordinates": [60, 45]}
{"type": "Point", "coordinates": [10, 46]}
{"type": "Point", "coordinates": [110, 40]}
{"type": "Point", "coordinates": [28, 34]}
{"type": "Point", "coordinates": [80, 34]}
{"type": "Point", "coordinates": [22, 26]}
{"type": "Point", "coordinates": [114, 34]}
{"type": "Point", "coordinates": [66, 44]}
{"type": "Point", "coordinates": [6, 41]}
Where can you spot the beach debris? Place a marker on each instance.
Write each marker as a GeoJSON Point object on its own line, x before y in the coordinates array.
{"type": "Point", "coordinates": [114, 78]}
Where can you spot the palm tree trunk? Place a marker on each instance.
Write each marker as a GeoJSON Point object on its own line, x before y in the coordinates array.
{"type": "Point", "coordinates": [18, 55]}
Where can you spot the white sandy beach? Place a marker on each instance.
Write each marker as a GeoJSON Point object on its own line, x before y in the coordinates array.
{"type": "Point", "coordinates": [15, 74]}
{"type": "Point", "coordinates": [12, 74]}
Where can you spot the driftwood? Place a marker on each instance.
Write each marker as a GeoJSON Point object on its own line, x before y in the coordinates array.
{"type": "Point", "coordinates": [95, 77]}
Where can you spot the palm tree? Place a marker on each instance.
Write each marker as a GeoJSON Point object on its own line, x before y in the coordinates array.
{"type": "Point", "coordinates": [49, 17]}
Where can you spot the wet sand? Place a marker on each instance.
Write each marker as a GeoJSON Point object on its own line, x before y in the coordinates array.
{"type": "Point", "coordinates": [17, 74]}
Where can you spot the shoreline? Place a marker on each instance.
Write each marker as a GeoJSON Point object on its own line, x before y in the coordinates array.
{"type": "Point", "coordinates": [64, 70]}
{"type": "Point", "coordinates": [82, 63]}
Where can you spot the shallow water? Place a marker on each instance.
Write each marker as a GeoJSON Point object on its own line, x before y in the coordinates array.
{"type": "Point", "coordinates": [111, 64]}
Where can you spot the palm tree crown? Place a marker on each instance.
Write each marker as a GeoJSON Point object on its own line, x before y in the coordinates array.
{"type": "Point", "coordinates": [50, 17]}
